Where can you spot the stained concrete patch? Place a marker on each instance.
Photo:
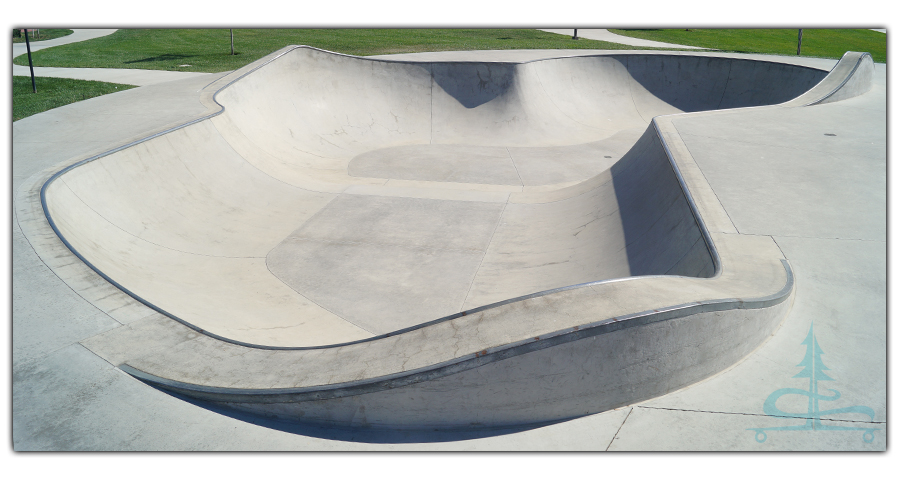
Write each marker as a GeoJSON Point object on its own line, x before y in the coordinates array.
{"type": "Point", "coordinates": [46, 314]}
{"type": "Point", "coordinates": [74, 400]}
{"type": "Point", "coordinates": [139, 338]}
{"type": "Point", "coordinates": [387, 263]}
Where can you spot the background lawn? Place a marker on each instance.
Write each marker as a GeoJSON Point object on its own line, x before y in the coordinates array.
{"type": "Point", "coordinates": [830, 43]}
{"type": "Point", "coordinates": [44, 35]}
{"type": "Point", "coordinates": [209, 50]}
{"type": "Point", "coordinates": [55, 92]}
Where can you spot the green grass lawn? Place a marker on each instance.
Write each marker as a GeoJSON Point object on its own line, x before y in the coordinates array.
{"type": "Point", "coordinates": [44, 35]}
{"type": "Point", "coordinates": [55, 92]}
{"type": "Point", "coordinates": [209, 50]}
{"type": "Point", "coordinates": [830, 43]}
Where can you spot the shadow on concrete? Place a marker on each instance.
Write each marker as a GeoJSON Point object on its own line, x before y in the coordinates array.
{"type": "Point", "coordinates": [473, 84]}
{"type": "Point", "coordinates": [703, 83]}
{"type": "Point", "coordinates": [660, 231]}
{"type": "Point", "coordinates": [362, 434]}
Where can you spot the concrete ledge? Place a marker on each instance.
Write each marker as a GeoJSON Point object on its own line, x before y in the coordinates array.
{"type": "Point", "coordinates": [468, 362]}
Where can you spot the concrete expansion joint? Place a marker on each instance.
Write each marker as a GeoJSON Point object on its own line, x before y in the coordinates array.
{"type": "Point", "coordinates": [760, 415]}
{"type": "Point", "coordinates": [834, 238]}
{"type": "Point", "coordinates": [611, 441]}
{"type": "Point", "coordinates": [380, 244]}
{"type": "Point", "coordinates": [305, 297]}
{"type": "Point", "coordinates": [484, 254]}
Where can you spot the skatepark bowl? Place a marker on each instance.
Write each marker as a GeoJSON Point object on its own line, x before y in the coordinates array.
{"type": "Point", "coordinates": [357, 241]}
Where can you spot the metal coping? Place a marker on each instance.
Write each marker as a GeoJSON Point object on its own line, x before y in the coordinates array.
{"type": "Point", "coordinates": [707, 238]}
{"type": "Point", "coordinates": [463, 363]}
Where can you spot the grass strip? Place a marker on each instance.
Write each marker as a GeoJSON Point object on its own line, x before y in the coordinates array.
{"type": "Point", "coordinates": [44, 35]}
{"type": "Point", "coordinates": [55, 92]}
{"type": "Point", "coordinates": [829, 43]}
{"type": "Point", "coordinates": [209, 50]}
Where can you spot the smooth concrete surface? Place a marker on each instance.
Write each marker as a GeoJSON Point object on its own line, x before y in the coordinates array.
{"type": "Point", "coordinates": [608, 36]}
{"type": "Point", "coordinates": [548, 437]}
{"type": "Point", "coordinates": [284, 194]}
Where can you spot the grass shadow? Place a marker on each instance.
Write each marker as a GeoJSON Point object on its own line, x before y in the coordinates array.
{"type": "Point", "coordinates": [162, 58]}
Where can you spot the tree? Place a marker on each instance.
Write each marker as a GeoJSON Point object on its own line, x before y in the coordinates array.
{"type": "Point", "coordinates": [814, 370]}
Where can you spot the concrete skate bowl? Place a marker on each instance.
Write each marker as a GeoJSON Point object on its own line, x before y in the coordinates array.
{"type": "Point", "coordinates": [444, 244]}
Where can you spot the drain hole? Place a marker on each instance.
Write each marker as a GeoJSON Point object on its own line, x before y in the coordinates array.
{"type": "Point", "coordinates": [831, 135]}
{"type": "Point", "coordinates": [607, 156]}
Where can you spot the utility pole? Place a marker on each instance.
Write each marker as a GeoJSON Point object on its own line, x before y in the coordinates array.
{"type": "Point", "coordinates": [232, 41]}
{"type": "Point", "coordinates": [30, 65]}
{"type": "Point", "coordinates": [575, 36]}
{"type": "Point", "coordinates": [799, 41]}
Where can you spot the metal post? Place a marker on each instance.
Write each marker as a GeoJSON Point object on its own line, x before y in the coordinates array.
{"type": "Point", "coordinates": [30, 65]}
{"type": "Point", "coordinates": [799, 41]}
{"type": "Point", "coordinates": [232, 41]}
{"type": "Point", "coordinates": [575, 36]}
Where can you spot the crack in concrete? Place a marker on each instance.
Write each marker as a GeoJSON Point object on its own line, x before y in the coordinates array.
{"type": "Point", "coordinates": [619, 429]}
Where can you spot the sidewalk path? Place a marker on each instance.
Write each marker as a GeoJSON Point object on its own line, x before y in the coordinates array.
{"type": "Point", "coordinates": [608, 36]}
{"type": "Point", "coordinates": [77, 36]}
{"type": "Point", "coordinates": [137, 77]}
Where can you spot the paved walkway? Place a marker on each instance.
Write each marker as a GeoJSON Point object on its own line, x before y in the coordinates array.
{"type": "Point", "coordinates": [76, 36]}
{"type": "Point", "coordinates": [608, 36]}
{"type": "Point", "coordinates": [137, 77]}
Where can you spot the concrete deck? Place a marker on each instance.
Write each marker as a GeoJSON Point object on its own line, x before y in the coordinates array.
{"type": "Point", "coordinates": [61, 349]}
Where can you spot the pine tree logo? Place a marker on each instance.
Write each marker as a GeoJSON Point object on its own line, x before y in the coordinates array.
{"type": "Point", "coordinates": [813, 369]}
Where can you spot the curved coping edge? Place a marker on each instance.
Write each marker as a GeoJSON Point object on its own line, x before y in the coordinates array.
{"type": "Point", "coordinates": [463, 363]}
{"type": "Point", "coordinates": [694, 210]}
{"type": "Point", "coordinates": [698, 219]}
{"type": "Point", "coordinates": [859, 60]}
